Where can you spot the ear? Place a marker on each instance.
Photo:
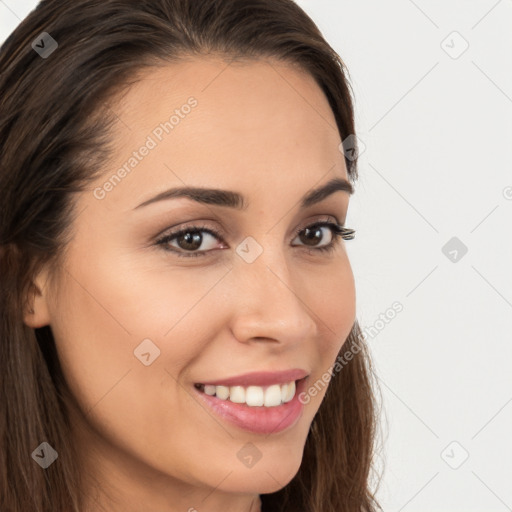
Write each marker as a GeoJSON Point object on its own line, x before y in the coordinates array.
{"type": "Point", "coordinates": [36, 312]}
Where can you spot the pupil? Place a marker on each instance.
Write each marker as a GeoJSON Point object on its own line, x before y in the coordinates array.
{"type": "Point", "coordinates": [192, 241]}
{"type": "Point", "coordinates": [312, 235]}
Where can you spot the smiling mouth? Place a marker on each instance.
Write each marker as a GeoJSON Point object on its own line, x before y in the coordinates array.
{"type": "Point", "coordinates": [273, 395]}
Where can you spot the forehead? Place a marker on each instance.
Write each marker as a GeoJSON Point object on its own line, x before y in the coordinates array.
{"type": "Point", "coordinates": [213, 123]}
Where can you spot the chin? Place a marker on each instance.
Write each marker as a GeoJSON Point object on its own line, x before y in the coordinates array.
{"type": "Point", "coordinates": [263, 478]}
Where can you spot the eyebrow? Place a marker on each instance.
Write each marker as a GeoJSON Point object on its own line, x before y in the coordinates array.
{"type": "Point", "coordinates": [231, 199]}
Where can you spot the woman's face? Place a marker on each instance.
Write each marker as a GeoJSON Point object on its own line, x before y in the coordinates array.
{"type": "Point", "coordinates": [138, 323]}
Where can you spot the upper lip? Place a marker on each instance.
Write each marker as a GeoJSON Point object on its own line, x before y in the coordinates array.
{"type": "Point", "coordinates": [260, 378]}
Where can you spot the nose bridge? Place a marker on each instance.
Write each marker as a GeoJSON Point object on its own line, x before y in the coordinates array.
{"type": "Point", "coordinates": [268, 302]}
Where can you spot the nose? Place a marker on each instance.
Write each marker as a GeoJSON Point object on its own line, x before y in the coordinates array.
{"type": "Point", "coordinates": [270, 303]}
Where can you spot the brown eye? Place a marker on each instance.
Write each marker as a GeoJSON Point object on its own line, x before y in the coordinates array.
{"type": "Point", "coordinates": [312, 236]}
{"type": "Point", "coordinates": [188, 241]}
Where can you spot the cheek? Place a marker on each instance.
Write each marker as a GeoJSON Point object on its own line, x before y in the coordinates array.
{"type": "Point", "coordinates": [125, 330]}
{"type": "Point", "coordinates": [334, 307]}
{"type": "Point", "coordinates": [102, 318]}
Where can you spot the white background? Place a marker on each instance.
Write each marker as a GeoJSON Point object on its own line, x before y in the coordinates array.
{"type": "Point", "coordinates": [437, 164]}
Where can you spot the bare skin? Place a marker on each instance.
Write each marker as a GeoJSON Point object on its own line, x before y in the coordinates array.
{"type": "Point", "coordinates": [263, 129]}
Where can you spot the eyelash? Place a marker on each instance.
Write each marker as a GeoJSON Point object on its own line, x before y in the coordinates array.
{"type": "Point", "coordinates": [337, 230]}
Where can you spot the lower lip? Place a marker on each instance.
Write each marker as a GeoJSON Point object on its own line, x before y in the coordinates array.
{"type": "Point", "coordinates": [260, 420]}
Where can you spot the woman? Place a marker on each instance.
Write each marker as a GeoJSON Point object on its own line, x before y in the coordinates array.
{"type": "Point", "coordinates": [178, 324]}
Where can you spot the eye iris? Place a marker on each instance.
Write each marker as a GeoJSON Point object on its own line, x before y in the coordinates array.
{"type": "Point", "coordinates": [192, 240]}
{"type": "Point", "coordinates": [312, 235]}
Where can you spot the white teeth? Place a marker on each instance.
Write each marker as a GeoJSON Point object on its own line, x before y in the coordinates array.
{"type": "Point", "coordinates": [237, 394]}
{"type": "Point", "coordinates": [209, 390]}
{"type": "Point", "coordinates": [284, 392]}
{"type": "Point", "coordinates": [291, 392]}
{"type": "Point", "coordinates": [273, 396]}
{"type": "Point", "coordinates": [254, 396]}
{"type": "Point", "coordinates": [222, 392]}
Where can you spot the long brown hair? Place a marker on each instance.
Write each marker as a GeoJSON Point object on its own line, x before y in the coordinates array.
{"type": "Point", "coordinates": [54, 136]}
